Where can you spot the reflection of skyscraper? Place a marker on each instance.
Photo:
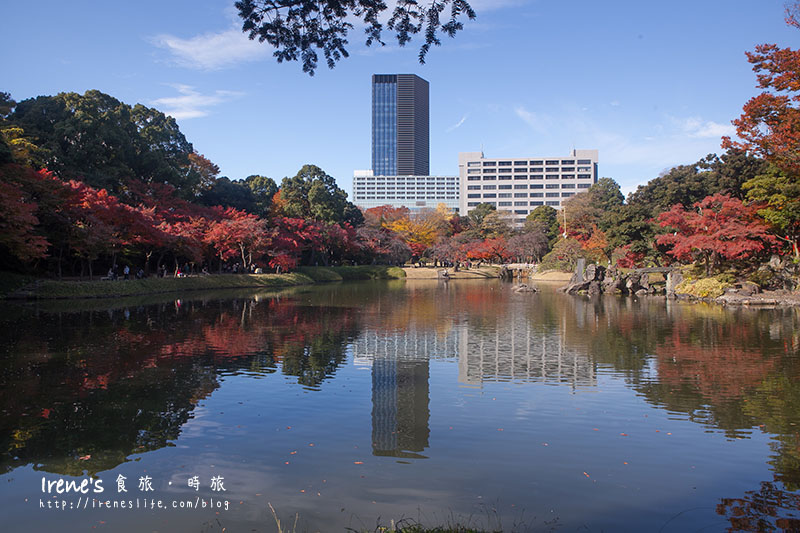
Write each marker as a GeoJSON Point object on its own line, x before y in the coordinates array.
{"type": "Point", "coordinates": [400, 411]}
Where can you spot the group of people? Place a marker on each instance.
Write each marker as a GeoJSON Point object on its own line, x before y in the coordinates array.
{"type": "Point", "coordinates": [126, 273]}
{"type": "Point", "coordinates": [180, 271]}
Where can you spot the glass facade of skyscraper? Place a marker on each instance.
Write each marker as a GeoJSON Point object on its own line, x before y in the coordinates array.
{"type": "Point", "coordinates": [400, 142]}
{"type": "Point", "coordinates": [384, 124]}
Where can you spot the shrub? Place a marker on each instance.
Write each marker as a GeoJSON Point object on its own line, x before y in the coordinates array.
{"type": "Point", "coordinates": [702, 288]}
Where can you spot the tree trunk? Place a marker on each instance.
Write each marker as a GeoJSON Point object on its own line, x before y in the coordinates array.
{"type": "Point", "coordinates": [60, 254]}
{"type": "Point", "coordinates": [158, 262]}
{"type": "Point", "coordinates": [244, 256]}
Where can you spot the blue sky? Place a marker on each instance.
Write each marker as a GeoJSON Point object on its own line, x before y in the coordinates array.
{"type": "Point", "coordinates": [649, 84]}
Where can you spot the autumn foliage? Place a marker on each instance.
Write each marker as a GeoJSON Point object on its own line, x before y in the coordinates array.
{"type": "Point", "coordinates": [717, 228]}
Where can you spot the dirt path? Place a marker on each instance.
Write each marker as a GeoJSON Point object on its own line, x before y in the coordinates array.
{"type": "Point", "coordinates": [432, 273]}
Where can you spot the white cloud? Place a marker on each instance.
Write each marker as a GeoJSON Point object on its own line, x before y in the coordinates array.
{"type": "Point", "coordinates": [539, 122]}
{"type": "Point", "coordinates": [192, 104]}
{"type": "Point", "coordinates": [457, 125]}
{"type": "Point", "coordinates": [698, 129]}
{"type": "Point", "coordinates": [213, 51]}
{"type": "Point", "coordinates": [630, 152]}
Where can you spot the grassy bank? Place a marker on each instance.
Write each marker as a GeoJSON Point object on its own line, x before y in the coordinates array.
{"type": "Point", "coordinates": [14, 286]}
{"type": "Point", "coordinates": [352, 273]}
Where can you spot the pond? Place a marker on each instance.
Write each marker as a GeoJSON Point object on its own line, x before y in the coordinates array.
{"type": "Point", "coordinates": [355, 405]}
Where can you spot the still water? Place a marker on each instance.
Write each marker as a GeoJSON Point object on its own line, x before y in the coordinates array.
{"type": "Point", "coordinates": [352, 405]}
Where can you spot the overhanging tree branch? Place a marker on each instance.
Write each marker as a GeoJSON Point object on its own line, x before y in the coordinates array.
{"type": "Point", "coordinates": [299, 28]}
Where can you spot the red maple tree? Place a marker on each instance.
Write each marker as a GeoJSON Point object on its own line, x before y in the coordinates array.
{"type": "Point", "coordinates": [770, 123]}
{"type": "Point", "coordinates": [718, 227]}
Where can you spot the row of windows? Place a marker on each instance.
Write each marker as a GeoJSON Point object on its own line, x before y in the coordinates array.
{"type": "Point", "coordinates": [491, 171]}
{"type": "Point", "coordinates": [520, 211]}
{"type": "Point", "coordinates": [524, 186]}
{"type": "Point", "coordinates": [536, 162]}
{"type": "Point", "coordinates": [401, 181]}
{"type": "Point", "coordinates": [357, 198]}
{"type": "Point", "coordinates": [521, 195]}
{"type": "Point", "coordinates": [411, 188]}
{"type": "Point", "coordinates": [532, 176]}
{"type": "Point", "coordinates": [451, 190]}
{"type": "Point", "coordinates": [522, 163]}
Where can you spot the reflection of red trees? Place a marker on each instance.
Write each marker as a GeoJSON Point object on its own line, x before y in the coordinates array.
{"type": "Point", "coordinates": [275, 327]}
{"type": "Point", "coordinates": [768, 509]}
{"type": "Point", "coordinates": [280, 327]}
{"type": "Point", "coordinates": [721, 370]}
{"type": "Point", "coordinates": [224, 338]}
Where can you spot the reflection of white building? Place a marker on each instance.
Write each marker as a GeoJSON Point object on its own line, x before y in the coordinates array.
{"type": "Point", "coordinates": [409, 345]}
{"type": "Point", "coordinates": [514, 350]}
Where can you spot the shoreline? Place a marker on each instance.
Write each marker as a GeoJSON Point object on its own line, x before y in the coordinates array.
{"type": "Point", "coordinates": [45, 289]}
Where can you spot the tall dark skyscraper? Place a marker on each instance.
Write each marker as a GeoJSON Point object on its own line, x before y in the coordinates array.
{"type": "Point", "coordinates": [400, 125]}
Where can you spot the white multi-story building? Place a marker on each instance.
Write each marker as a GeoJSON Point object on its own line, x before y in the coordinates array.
{"type": "Point", "coordinates": [414, 192]}
{"type": "Point", "coordinates": [517, 186]}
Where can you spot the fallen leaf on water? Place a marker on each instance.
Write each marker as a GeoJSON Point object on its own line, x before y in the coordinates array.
{"type": "Point", "coordinates": [311, 444]}
{"type": "Point", "coordinates": [624, 462]}
{"type": "Point", "coordinates": [595, 429]}
{"type": "Point", "coordinates": [624, 434]}
{"type": "Point", "coordinates": [358, 462]}
{"type": "Point", "coordinates": [669, 433]}
{"type": "Point", "coordinates": [499, 429]}
{"type": "Point", "coordinates": [286, 463]}
{"type": "Point", "coordinates": [292, 453]}
{"type": "Point", "coordinates": [302, 490]}
{"type": "Point", "coordinates": [288, 427]}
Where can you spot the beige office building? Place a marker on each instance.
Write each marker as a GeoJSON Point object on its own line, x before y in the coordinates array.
{"type": "Point", "coordinates": [517, 186]}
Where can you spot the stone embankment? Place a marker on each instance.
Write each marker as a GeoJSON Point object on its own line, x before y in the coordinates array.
{"type": "Point", "coordinates": [594, 280]}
